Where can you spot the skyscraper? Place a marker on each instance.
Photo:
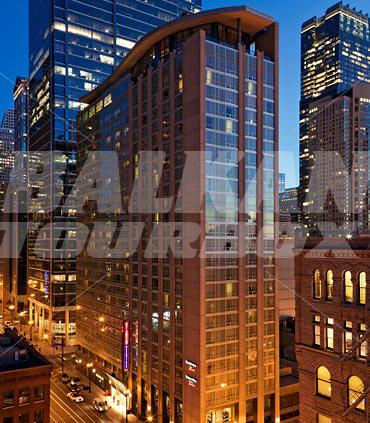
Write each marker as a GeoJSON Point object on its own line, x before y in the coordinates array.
{"type": "Point", "coordinates": [340, 142]}
{"type": "Point", "coordinates": [18, 201]}
{"type": "Point", "coordinates": [6, 149]}
{"type": "Point", "coordinates": [6, 165]}
{"type": "Point", "coordinates": [188, 333]}
{"type": "Point", "coordinates": [74, 46]}
{"type": "Point", "coordinates": [335, 54]}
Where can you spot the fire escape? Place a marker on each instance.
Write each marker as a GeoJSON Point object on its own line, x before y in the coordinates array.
{"type": "Point", "coordinates": [350, 355]}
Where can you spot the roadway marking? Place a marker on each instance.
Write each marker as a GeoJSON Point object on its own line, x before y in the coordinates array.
{"type": "Point", "coordinates": [55, 398]}
{"type": "Point", "coordinates": [96, 418]}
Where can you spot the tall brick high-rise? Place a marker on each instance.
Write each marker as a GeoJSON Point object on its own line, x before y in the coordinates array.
{"type": "Point", "coordinates": [180, 337]}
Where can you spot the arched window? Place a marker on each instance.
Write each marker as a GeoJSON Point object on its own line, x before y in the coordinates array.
{"type": "Point", "coordinates": [329, 285]}
{"type": "Point", "coordinates": [316, 284]}
{"type": "Point", "coordinates": [323, 378]}
{"type": "Point", "coordinates": [362, 287]}
{"type": "Point", "coordinates": [355, 390]}
{"type": "Point", "coordinates": [348, 287]}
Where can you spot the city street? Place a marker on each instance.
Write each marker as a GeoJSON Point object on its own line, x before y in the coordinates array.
{"type": "Point", "coordinates": [64, 410]}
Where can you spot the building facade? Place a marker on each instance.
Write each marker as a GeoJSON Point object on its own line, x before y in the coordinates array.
{"type": "Point", "coordinates": [18, 202]}
{"type": "Point", "coordinates": [6, 152]}
{"type": "Point", "coordinates": [24, 382]}
{"type": "Point", "coordinates": [339, 138]}
{"type": "Point", "coordinates": [187, 337]}
{"type": "Point", "coordinates": [74, 46]}
{"type": "Point", "coordinates": [6, 166]}
{"type": "Point", "coordinates": [332, 328]}
{"type": "Point", "coordinates": [335, 55]}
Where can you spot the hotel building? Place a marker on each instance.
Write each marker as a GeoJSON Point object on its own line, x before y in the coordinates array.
{"type": "Point", "coordinates": [181, 337]}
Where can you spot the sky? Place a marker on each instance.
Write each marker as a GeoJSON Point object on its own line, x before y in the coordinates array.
{"type": "Point", "coordinates": [289, 13]}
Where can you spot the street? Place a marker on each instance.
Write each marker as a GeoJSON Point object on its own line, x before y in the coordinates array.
{"type": "Point", "coordinates": [64, 410]}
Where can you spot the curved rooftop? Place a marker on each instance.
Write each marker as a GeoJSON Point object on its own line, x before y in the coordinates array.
{"type": "Point", "coordinates": [251, 21]}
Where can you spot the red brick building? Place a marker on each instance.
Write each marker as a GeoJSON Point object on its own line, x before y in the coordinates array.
{"type": "Point", "coordinates": [332, 327]}
{"type": "Point", "coordinates": [24, 382]}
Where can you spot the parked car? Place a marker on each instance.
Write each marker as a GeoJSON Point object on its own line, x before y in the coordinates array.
{"type": "Point", "coordinates": [100, 405]}
{"type": "Point", "coordinates": [76, 379]}
{"type": "Point", "coordinates": [74, 396]}
{"type": "Point", "coordinates": [65, 378]}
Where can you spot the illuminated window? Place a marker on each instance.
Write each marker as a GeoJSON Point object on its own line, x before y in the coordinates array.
{"type": "Point", "coordinates": [323, 378]}
{"type": "Point", "coordinates": [60, 70]}
{"type": "Point", "coordinates": [329, 333]}
{"type": "Point", "coordinates": [106, 59]}
{"type": "Point", "coordinates": [317, 334]}
{"type": "Point", "coordinates": [355, 390]}
{"type": "Point", "coordinates": [347, 336]}
{"type": "Point", "coordinates": [107, 100]}
{"type": "Point", "coordinates": [229, 126]}
{"type": "Point", "coordinates": [329, 285]}
{"type": "Point", "coordinates": [323, 419]}
{"type": "Point", "coordinates": [60, 26]}
{"type": "Point", "coordinates": [316, 284]}
{"type": "Point", "coordinates": [362, 288]}
{"type": "Point", "coordinates": [363, 346]}
{"type": "Point", "coordinates": [348, 287]}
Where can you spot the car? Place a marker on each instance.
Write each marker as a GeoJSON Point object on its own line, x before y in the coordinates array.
{"type": "Point", "coordinates": [75, 397]}
{"type": "Point", "coordinates": [65, 378]}
{"type": "Point", "coordinates": [74, 387]}
{"type": "Point", "coordinates": [100, 405]}
{"type": "Point", "coordinates": [76, 379]}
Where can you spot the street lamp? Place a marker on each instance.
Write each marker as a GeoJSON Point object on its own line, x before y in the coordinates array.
{"type": "Point", "coordinates": [149, 409]}
{"type": "Point", "coordinates": [21, 317]}
{"type": "Point", "coordinates": [89, 365]}
{"type": "Point", "coordinates": [11, 309]}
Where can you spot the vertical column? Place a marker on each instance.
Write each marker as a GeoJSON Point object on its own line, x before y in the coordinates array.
{"type": "Point", "coordinates": [171, 256]}
{"type": "Point", "coordinates": [276, 219]}
{"type": "Point", "coordinates": [260, 249]}
{"type": "Point", "coordinates": [241, 233]}
{"type": "Point", "coordinates": [30, 310]}
{"type": "Point", "coordinates": [66, 327]}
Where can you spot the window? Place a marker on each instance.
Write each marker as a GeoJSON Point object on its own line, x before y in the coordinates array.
{"type": "Point", "coordinates": [24, 418]}
{"type": "Point", "coordinates": [329, 333]}
{"type": "Point", "coordinates": [39, 416]}
{"type": "Point", "coordinates": [347, 336]}
{"type": "Point", "coordinates": [24, 396]}
{"type": "Point", "coordinates": [317, 284]}
{"type": "Point", "coordinates": [317, 335]}
{"type": "Point", "coordinates": [355, 390]}
{"type": "Point", "coordinates": [39, 393]}
{"type": "Point", "coordinates": [363, 345]}
{"type": "Point", "coordinates": [323, 382]}
{"type": "Point", "coordinates": [329, 285]}
{"type": "Point", "coordinates": [348, 287]}
{"type": "Point", "coordinates": [362, 288]}
{"type": "Point", "coordinates": [8, 400]}
{"type": "Point", "coordinates": [8, 419]}
{"type": "Point", "coordinates": [323, 419]}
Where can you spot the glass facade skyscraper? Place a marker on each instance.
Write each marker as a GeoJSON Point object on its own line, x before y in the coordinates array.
{"type": "Point", "coordinates": [335, 54]}
{"type": "Point", "coordinates": [74, 46]}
